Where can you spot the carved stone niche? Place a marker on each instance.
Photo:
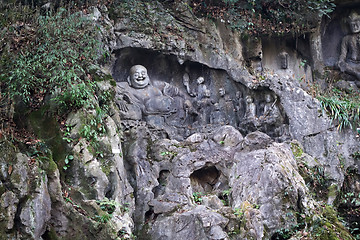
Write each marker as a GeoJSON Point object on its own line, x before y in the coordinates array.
{"type": "Point", "coordinates": [333, 30]}
{"type": "Point", "coordinates": [176, 100]}
{"type": "Point", "coordinates": [288, 56]}
{"type": "Point", "coordinates": [341, 43]}
{"type": "Point", "coordinates": [265, 113]}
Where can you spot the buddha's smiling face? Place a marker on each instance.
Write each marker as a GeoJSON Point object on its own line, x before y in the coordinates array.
{"type": "Point", "coordinates": [139, 77]}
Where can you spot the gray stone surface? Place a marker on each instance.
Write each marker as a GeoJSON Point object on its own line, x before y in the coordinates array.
{"type": "Point", "coordinates": [180, 159]}
{"type": "Point", "coordinates": [267, 186]}
{"type": "Point", "coordinates": [35, 214]}
{"type": "Point", "coordinates": [262, 177]}
{"type": "Point", "coordinates": [199, 223]}
{"type": "Point", "coordinates": [9, 203]}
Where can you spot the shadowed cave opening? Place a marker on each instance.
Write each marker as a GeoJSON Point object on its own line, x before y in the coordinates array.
{"type": "Point", "coordinates": [163, 178]}
{"type": "Point", "coordinates": [204, 179]}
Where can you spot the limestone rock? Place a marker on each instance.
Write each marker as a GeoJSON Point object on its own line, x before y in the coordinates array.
{"type": "Point", "coordinates": [255, 140]}
{"type": "Point", "coordinates": [228, 136]}
{"type": "Point", "coordinates": [267, 186]}
{"type": "Point", "coordinates": [19, 177]}
{"type": "Point", "coordinates": [35, 214]}
{"type": "Point", "coordinates": [9, 203]}
{"type": "Point", "coordinates": [199, 223]}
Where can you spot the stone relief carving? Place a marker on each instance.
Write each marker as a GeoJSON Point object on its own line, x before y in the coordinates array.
{"type": "Point", "coordinates": [226, 104]}
{"type": "Point", "coordinates": [185, 110]}
{"type": "Point", "coordinates": [217, 116]}
{"type": "Point", "coordinates": [205, 107]}
{"type": "Point", "coordinates": [250, 108]}
{"type": "Point", "coordinates": [200, 93]}
{"type": "Point", "coordinates": [250, 120]}
{"type": "Point", "coordinates": [239, 105]}
{"type": "Point", "coordinates": [271, 111]}
{"type": "Point", "coordinates": [186, 82]}
{"type": "Point", "coordinates": [284, 60]}
{"type": "Point", "coordinates": [349, 59]}
{"type": "Point", "coordinates": [153, 98]}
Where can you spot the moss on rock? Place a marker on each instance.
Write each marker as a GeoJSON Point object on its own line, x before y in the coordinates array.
{"type": "Point", "coordinates": [296, 149]}
{"type": "Point", "coordinates": [45, 127]}
{"type": "Point", "coordinates": [326, 226]}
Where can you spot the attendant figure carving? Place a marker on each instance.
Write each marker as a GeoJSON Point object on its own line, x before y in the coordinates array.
{"type": "Point", "coordinates": [201, 88]}
{"type": "Point", "coordinates": [272, 113]}
{"type": "Point", "coordinates": [250, 113]}
{"type": "Point", "coordinates": [186, 82]}
{"type": "Point", "coordinates": [205, 108]}
{"type": "Point", "coordinates": [284, 60]}
{"type": "Point", "coordinates": [217, 116]}
{"type": "Point", "coordinates": [191, 115]}
{"type": "Point", "coordinates": [239, 106]}
{"type": "Point", "coordinates": [227, 106]}
{"type": "Point", "coordinates": [272, 121]}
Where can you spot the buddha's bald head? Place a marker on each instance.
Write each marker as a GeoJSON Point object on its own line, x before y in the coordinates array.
{"type": "Point", "coordinates": [138, 77]}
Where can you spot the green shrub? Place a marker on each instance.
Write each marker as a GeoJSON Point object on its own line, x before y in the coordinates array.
{"type": "Point", "coordinates": [74, 97]}
{"type": "Point", "coordinates": [94, 128]}
{"type": "Point", "coordinates": [197, 196]}
{"type": "Point", "coordinates": [342, 107]}
{"type": "Point", "coordinates": [55, 59]}
{"type": "Point", "coordinates": [107, 205]}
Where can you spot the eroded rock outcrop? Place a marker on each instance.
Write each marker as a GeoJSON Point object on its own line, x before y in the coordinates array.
{"type": "Point", "coordinates": [209, 136]}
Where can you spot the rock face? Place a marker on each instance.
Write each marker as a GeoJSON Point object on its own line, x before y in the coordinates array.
{"type": "Point", "coordinates": [28, 216]}
{"type": "Point", "coordinates": [212, 137]}
{"type": "Point", "coordinates": [255, 176]}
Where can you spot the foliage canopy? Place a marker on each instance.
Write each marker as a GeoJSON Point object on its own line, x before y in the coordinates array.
{"type": "Point", "coordinates": [266, 16]}
{"type": "Point", "coordinates": [51, 55]}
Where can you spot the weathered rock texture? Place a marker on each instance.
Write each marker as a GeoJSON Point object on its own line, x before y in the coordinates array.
{"type": "Point", "coordinates": [227, 167]}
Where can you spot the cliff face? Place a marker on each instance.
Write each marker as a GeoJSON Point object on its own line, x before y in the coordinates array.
{"type": "Point", "coordinates": [223, 140]}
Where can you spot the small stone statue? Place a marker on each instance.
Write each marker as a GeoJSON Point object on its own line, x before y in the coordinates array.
{"type": "Point", "coordinates": [201, 88]}
{"type": "Point", "coordinates": [250, 113]}
{"type": "Point", "coordinates": [204, 107]}
{"type": "Point", "coordinates": [217, 116]}
{"type": "Point", "coordinates": [284, 56]}
{"type": "Point", "coordinates": [349, 60]}
{"type": "Point", "coordinates": [227, 106]}
{"type": "Point", "coordinates": [239, 105]}
{"type": "Point", "coordinates": [186, 82]}
{"type": "Point", "coordinates": [250, 122]}
{"type": "Point", "coordinates": [191, 115]}
{"type": "Point", "coordinates": [221, 92]}
{"type": "Point", "coordinates": [271, 111]}
{"type": "Point", "coordinates": [272, 121]}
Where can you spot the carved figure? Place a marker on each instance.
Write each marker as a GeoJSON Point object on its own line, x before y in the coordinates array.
{"type": "Point", "coordinates": [250, 113]}
{"type": "Point", "coordinates": [349, 60]}
{"type": "Point", "coordinates": [191, 114]}
{"type": "Point", "coordinates": [186, 82]}
{"type": "Point", "coordinates": [272, 113]}
{"type": "Point", "coordinates": [152, 98]}
{"type": "Point", "coordinates": [239, 105]}
{"type": "Point", "coordinates": [272, 121]}
{"type": "Point", "coordinates": [201, 88]}
{"type": "Point", "coordinates": [217, 116]}
{"type": "Point", "coordinates": [221, 92]}
{"type": "Point", "coordinates": [204, 107]}
{"type": "Point", "coordinates": [250, 122]}
{"type": "Point", "coordinates": [227, 106]}
{"type": "Point", "coordinates": [284, 56]}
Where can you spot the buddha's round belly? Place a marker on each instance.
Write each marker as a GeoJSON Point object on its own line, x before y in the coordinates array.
{"type": "Point", "coordinates": [159, 104]}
